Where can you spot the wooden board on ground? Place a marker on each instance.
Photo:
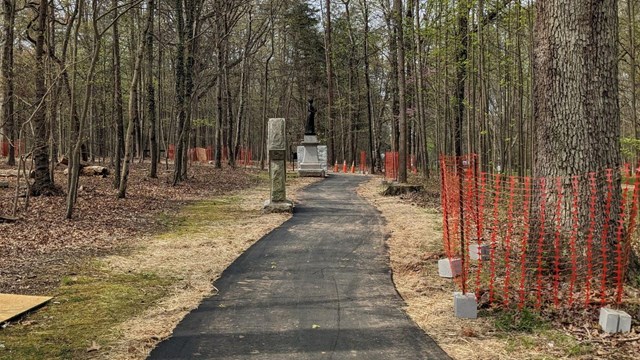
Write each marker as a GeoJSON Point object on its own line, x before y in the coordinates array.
{"type": "Point", "coordinates": [12, 306]}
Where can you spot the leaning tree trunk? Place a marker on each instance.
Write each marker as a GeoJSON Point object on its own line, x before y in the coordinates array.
{"type": "Point", "coordinates": [577, 112]}
{"type": "Point", "coordinates": [133, 114]}
{"type": "Point", "coordinates": [74, 163]}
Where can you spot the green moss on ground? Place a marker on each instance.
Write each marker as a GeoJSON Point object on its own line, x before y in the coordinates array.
{"type": "Point", "coordinates": [84, 311]}
{"type": "Point", "coordinates": [528, 331]}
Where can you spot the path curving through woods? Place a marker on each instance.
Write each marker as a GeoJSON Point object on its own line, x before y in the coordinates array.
{"type": "Point", "coordinates": [318, 287]}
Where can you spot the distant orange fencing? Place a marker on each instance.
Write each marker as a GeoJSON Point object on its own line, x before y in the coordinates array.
{"type": "Point", "coordinates": [363, 162]}
{"type": "Point", "coordinates": [19, 148]}
{"type": "Point", "coordinates": [204, 155]}
{"type": "Point", "coordinates": [391, 165]}
{"type": "Point", "coordinates": [537, 240]}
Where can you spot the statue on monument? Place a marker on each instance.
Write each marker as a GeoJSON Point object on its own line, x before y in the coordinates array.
{"type": "Point", "coordinates": [309, 162]}
{"type": "Point", "coordinates": [310, 127]}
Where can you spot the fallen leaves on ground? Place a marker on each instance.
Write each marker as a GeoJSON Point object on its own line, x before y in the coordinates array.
{"type": "Point", "coordinates": [42, 244]}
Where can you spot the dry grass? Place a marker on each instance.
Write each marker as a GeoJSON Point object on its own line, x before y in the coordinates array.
{"type": "Point", "coordinates": [415, 247]}
{"type": "Point", "coordinates": [208, 237]}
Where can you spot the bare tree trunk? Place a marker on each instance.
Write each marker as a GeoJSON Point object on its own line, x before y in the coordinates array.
{"type": "Point", "coordinates": [461, 72]}
{"type": "Point", "coordinates": [151, 94]}
{"type": "Point", "coordinates": [329, 60]}
{"type": "Point", "coordinates": [74, 160]}
{"type": "Point", "coordinates": [393, 62]}
{"type": "Point", "coordinates": [9, 9]}
{"type": "Point", "coordinates": [42, 178]}
{"type": "Point", "coordinates": [244, 83]}
{"type": "Point", "coordinates": [118, 102]}
{"type": "Point", "coordinates": [367, 79]}
{"type": "Point", "coordinates": [522, 141]}
{"type": "Point", "coordinates": [133, 112]}
{"type": "Point", "coordinates": [265, 96]}
{"type": "Point", "coordinates": [420, 94]}
{"type": "Point", "coordinates": [180, 95]}
{"type": "Point", "coordinates": [219, 104]}
{"type": "Point", "coordinates": [351, 107]}
{"type": "Point", "coordinates": [402, 118]}
{"type": "Point", "coordinates": [633, 71]}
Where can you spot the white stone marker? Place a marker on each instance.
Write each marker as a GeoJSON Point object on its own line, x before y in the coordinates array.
{"type": "Point", "coordinates": [277, 147]}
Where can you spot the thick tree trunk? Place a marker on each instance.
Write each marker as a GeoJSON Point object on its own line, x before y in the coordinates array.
{"type": "Point", "coordinates": [576, 107]}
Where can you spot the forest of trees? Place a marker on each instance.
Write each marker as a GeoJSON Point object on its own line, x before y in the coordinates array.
{"type": "Point", "coordinates": [119, 81]}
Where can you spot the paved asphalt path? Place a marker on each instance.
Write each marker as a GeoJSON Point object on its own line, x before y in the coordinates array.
{"type": "Point", "coordinates": [318, 287]}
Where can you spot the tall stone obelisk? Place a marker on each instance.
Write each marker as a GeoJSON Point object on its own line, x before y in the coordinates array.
{"type": "Point", "coordinates": [277, 147]}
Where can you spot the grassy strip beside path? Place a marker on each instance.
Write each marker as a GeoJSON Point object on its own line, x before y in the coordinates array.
{"type": "Point", "coordinates": [120, 306]}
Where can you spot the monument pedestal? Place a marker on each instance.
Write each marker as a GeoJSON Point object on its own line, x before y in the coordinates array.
{"type": "Point", "coordinates": [271, 207]}
{"type": "Point", "coordinates": [309, 158]}
{"type": "Point", "coordinates": [277, 145]}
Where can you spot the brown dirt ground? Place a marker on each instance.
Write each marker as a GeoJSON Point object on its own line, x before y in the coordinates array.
{"type": "Point", "coordinates": [42, 244]}
{"type": "Point", "coordinates": [138, 235]}
{"type": "Point", "coordinates": [414, 224]}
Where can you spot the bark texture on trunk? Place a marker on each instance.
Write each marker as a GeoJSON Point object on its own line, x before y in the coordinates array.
{"type": "Point", "coordinates": [577, 112]}
{"type": "Point", "coordinates": [151, 94]}
{"type": "Point", "coordinates": [43, 184]}
{"type": "Point", "coordinates": [576, 87]}
{"type": "Point", "coordinates": [117, 98]}
{"type": "Point", "coordinates": [402, 116]}
{"type": "Point", "coordinates": [7, 119]}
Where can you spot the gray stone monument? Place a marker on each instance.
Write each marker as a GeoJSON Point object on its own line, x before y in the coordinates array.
{"type": "Point", "coordinates": [277, 147]}
{"type": "Point", "coordinates": [309, 164]}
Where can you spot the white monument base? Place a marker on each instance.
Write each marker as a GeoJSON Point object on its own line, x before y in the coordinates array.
{"type": "Point", "coordinates": [309, 163]}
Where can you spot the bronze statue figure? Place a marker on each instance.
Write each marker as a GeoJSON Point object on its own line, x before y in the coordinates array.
{"type": "Point", "coordinates": [310, 127]}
